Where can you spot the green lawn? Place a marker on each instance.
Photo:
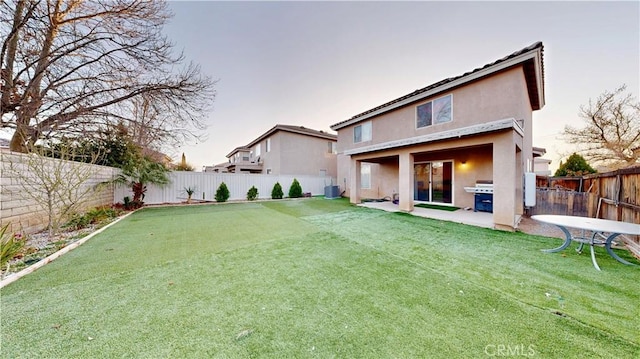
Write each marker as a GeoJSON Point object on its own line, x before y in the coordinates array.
{"type": "Point", "coordinates": [318, 278]}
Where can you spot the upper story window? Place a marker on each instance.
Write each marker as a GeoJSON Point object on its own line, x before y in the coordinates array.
{"type": "Point", "coordinates": [434, 112]}
{"type": "Point", "coordinates": [257, 150]}
{"type": "Point", "coordinates": [268, 145]}
{"type": "Point", "coordinates": [332, 147]}
{"type": "Point", "coordinates": [362, 133]}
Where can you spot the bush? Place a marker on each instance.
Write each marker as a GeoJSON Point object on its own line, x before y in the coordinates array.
{"type": "Point", "coordinates": [252, 194]}
{"type": "Point", "coordinates": [276, 192]}
{"type": "Point", "coordinates": [130, 205]}
{"type": "Point", "coordinates": [96, 215]}
{"type": "Point", "coordinates": [10, 245]}
{"type": "Point", "coordinates": [222, 194]}
{"type": "Point", "coordinates": [295, 190]}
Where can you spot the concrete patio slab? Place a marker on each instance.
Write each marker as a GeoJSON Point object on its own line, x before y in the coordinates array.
{"type": "Point", "coordinates": [479, 219]}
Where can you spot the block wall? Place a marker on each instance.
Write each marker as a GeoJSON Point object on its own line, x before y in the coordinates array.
{"type": "Point", "coordinates": [21, 179]}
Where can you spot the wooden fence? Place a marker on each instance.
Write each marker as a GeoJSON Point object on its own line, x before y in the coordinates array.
{"type": "Point", "coordinates": [612, 195]}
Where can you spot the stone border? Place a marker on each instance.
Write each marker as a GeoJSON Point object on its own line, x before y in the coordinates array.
{"type": "Point", "coordinates": [15, 276]}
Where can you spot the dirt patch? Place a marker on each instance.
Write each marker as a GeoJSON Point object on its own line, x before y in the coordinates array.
{"type": "Point", "coordinates": [531, 226]}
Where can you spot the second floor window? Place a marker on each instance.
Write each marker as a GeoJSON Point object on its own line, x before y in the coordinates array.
{"type": "Point", "coordinates": [257, 150]}
{"type": "Point", "coordinates": [362, 133]}
{"type": "Point", "coordinates": [268, 145]}
{"type": "Point", "coordinates": [434, 112]}
{"type": "Point", "coordinates": [332, 147]}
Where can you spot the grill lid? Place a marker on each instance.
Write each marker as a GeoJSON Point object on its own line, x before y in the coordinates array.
{"type": "Point", "coordinates": [482, 186]}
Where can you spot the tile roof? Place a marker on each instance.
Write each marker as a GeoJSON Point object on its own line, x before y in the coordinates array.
{"type": "Point", "coordinates": [533, 91]}
{"type": "Point", "coordinates": [287, 128]}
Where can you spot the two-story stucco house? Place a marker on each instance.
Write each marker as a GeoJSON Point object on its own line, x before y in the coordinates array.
{"type": "Point", "coordinates": [285, 150]}
{"type": "Point", "coordinates": [432, 143]}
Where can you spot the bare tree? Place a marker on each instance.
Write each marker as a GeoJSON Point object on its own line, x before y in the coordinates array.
{"type": "Point", "coordinates": [71, 66]}
{"type": "Point", "coordinates": [60, 186]}
{"type": "Point", "coordinates": [612, 133]}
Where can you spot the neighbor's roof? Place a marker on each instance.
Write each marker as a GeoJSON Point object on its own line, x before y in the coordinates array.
{"type": "Point", "coordinates": [531, 58]}
{"type": "Point", "coordinates": [287, 128]}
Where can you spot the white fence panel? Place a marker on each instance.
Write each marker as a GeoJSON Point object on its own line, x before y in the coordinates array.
{"type": "Point", "coordinates": [207, 183]}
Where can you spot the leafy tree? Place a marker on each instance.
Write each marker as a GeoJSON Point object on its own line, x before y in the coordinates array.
{"type": "Point", "coordinates": [295, 191]}
{"type": "Point", "coordinates": [612, 132]}
{"type": "Point", "coordinates": [222, 193]}
{"type": "Point", "coordinates": [73, 67]}
{"type": "Point", "coordinates": [276, 192]}
{"type": "Point", "coordinates": [576, 165]}
{"type": "Point", "coordinates": [112, 147]}
{"type": "Point", "coordinates": [183, 165]}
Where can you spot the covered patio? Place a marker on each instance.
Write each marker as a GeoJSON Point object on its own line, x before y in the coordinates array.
{"type": "Point", "coordinates": [479, 219]}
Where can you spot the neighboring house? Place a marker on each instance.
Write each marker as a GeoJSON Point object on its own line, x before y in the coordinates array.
{"type": "Point", "coordinates": [428, 145]}
{"type": "Point", "coordinates": [541, 165]}
{"type": "Point", "coordinates": [285, 150]}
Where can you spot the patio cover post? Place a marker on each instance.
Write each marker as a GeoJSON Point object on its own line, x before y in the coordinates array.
{"type": "Point", "coordinates": [505, 182]}
{"type": "Point", "coordinates": [354, 181]}
{"type": "Point", "coordinates": [405, 181]}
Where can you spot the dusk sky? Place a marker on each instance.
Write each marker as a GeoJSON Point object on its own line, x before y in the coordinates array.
{"type": "Point", "coordinates": [318, 63]}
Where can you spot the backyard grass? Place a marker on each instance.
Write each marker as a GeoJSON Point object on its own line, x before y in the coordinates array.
{"type": "Point", "coordinates": [318, 278]}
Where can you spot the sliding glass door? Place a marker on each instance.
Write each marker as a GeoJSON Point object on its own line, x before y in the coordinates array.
{"type": "Point", "coordinates": [433, 181]}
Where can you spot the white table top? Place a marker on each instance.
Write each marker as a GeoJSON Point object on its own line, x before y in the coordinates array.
{"type": "Point", "coordinates": [591, 224]}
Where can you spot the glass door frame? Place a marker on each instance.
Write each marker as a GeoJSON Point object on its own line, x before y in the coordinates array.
{"type": "Point", "coordinates": [430, 186]}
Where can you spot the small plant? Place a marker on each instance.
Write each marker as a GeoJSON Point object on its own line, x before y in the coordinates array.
{"type": "Point", "coordinates": [295, 191]}
{"type": "Point", "coordinates": [96, 215]}
{"type": "Point", "coordinates": [130, 205]}
{"type": "Point", "coordinates": [10, 245]}
{"type": "Point", "coordinates": [222, 193]}
{"type": "Point", "coordinates": [276, 192]}
{"type": "Point", "coordinates": [190, 191]}
{"type": "Point", "coordinates": [252, 194]}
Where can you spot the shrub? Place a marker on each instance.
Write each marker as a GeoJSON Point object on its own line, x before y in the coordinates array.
{"type": "Point", "coordinates": [189, 191]}
{"type": "Point", "coordinates": [252, 194]}
{"type": "Point", "coordinates": [295, 190]}
{"type": "Point", "coordinates": [10, 245]}
{"type": "Point", "coordinates": [130, 205]}
{"type": "Point", "coordinates": [96, 215]}
{"type": "Point", "coordinates": [222, 194]}
{"type": "Point", "coordinates": [276, 192]}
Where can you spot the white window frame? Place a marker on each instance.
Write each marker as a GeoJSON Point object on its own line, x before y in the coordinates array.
{"type": "Point", "coordinates": [268, 145]}
{"type": "Point", "coordinates": [366, 132]}
{"type": "Point", "coordinates": [258, 150]}
{"type": "Point", "coordinates": [434, 117]}
{"type": "Point", "coordinates": [365, 176]}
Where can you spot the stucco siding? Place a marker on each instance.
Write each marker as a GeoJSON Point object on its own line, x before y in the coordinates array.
{"type": "Point", "coordinates": [503, 95]}
{"type": "Point", "coordinates": [305, 155]}
{"type": "Point", "coordinates": [271, 160]}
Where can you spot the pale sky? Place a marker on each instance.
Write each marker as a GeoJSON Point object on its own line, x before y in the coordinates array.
{"type": "Point", "coordinates": [318, 63]}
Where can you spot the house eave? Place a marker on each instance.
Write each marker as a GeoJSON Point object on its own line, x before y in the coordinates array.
{"type": "Point", "coordinates": [499, 125]}
{"type": "Point", "coordinates": [537, 100]}
{"type": "Point", "coordinates": [276, 128]}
